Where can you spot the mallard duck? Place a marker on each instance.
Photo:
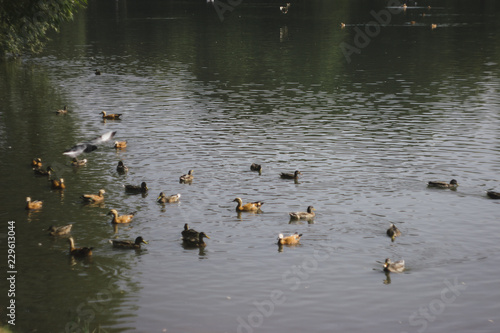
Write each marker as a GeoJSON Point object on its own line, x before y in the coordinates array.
{"type": "Point", "coordinates": [97, 72]}
{"type": "Point", "coordinates": [121, 219]}
{"type": "Point", "coordinates": [187, 178]}
{"type": "Point", "coordinates": [121, 168]}
{"type": "Point", "coordinates": [76, 162]}
{"type": "Point", "coordinates": [396, 267]}
{"type": "Point", "coordinates": [31, 205]}
{"type": "Point", "coordinates": [256, 167]}
{"type": "Point", "coordinates": [44, 173]}
{"type": "Point", "coordinates": [304, 215]}
{"type": "Point", "coordinates": [111, 115]}
{"type": "Point", "coordinates": [393, 232]}
{"type": "Point", "coordinates": [94, 198]}
{"type": "Point", "coordinates": [36, 163]}
{"type": "Point", "coordinates": [493, 194]}
{"type": "Point", "coordinates": [127, 244]}
{"type": "Point", "coordinates": [58, 184]}
{"type": "Point", "coordinates": [60, 231]}
{"type": "Point", "coordinates": [89, 146]}
{"type": "Point", "coordinates": [120, 144]}
{"type": "Point", "coordinates": [441, 184]}
{"type": "Point", "coordinates": [294, 175]}
{"type": "Point", "coordinates": [162, 198]}
{"type": "Point", "coordinates": [248, 207]}
{"type": "Point", "coordinates": [196, 241]}
{"type": "Point", "coordinates": [64, 110]}
{"type": "Point", "coordinates": [289, 240]}
{"type": "Point", "coordinates": [189, 233]}
{"type": "Point", "coordinates": [143, 188]}
{"type": "Point", "coordinates": [78, 252]}
{"type": "Point", "coordinates": [284, 9]}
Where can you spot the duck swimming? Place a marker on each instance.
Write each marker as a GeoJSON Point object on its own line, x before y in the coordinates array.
{"type": "Point", "coordinates": [64, 110]}
{"type": "Point", "coordinates": [187, 178]}
{"type": "Point", "coordinates": [121, 168]}
{"type": "Point", "coordinates": [393, 232]}
{"type": "Point", "coordinates": [127, 244]}
{"type": "Point", "coordinates": [162, 198]}
{"type": "Point", "coordinates": [441, 184]}
{"type": "Point", "coordinates": [36, 163]}
{"type": "Point", "coordinates": [58, 184]}
{"type": "Point", "coordinates": [60, 231]}
{"type": "Point", "coordinates": [93, 198]}
{"type": "Point", "coordinates": [112, 116]}
{"type": "Point", "coordinates": [121, 219]}
{"type": "Point", "coordinates": [76, 162]}
{"type": "Point", "coordinates": [396, 267]}
{"type": "Point", "coordinates": [44, 173]}
{"type": "Point", "coordinates": [294, 175]}
{"type": "Point", "coordinates": [289, 240]}
{"type": "Point", "coordinates": [256, 167]}
{"type": "Point", "coordinates": [196, 242]}
{"type": "Point", "coordinates": [303, 215]}
{"type": "Point", "coordinates": [143, 188]}
{"type": "Point", "coordinates": [248, 207]}
{"type": "Point", "coordinates": [79, 252]}
{"type": "Point", "coordinates": [189, 233]}
{"type": "Point", "coordinates": [493, 194]}
{"type": "Point", "coordinates": [31, 205]}
{"type": "Point", "coordinates": [120, 144]}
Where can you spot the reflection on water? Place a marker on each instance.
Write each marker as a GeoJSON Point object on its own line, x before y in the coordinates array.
{"type": "Point", "coordinates": [260, 87]}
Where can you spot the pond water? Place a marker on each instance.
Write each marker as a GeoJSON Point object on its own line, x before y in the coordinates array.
{"type": "Point", "coordinates": [368, 129]}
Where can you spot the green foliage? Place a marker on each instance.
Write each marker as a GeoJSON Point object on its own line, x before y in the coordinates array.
{"type": "Point", "coordinates": [24, 23]}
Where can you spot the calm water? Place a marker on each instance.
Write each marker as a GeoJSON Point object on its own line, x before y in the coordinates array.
{"type": "Point", "coordinates": [415, 104]}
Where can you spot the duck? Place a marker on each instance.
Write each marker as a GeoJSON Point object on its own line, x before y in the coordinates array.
{"type": "Point", "coordinates": [121, 168]}
{"type": "Point", "coordinates": [256, 167]}
{"type": "Point", "coordinates": [162, 198]}
{"type": "Point", "coordinates": [64, 110]}
{"type": "Point", "coordinates": [303, 215]}
{"type": "Point", "coordinates": [94, 198]}
{"type": "Point", "coordinates": [89, 146]}
{"type": "Point", "coordinates": [60, 231]}
{"type": "Point", "coordinates": [120, 144]}
{"type": "Point", "coordinates": [189, 233]}
{"type": "Point", "coordinates": [284, 9]}
{"type": "Point", "coordinates": [393, 232]}
{"type": "Point", "coordinates": [143, 188]}
{"type": "Point", "coordinates": [111, 115]}
{"type": "Point", "coordinates": [58, 184]}
{"type": "Point", "coordinates": [441, 184]}
{"type": "Point", "coordinates": [36, 163]}
{"type": "Point", "coordinates": [199, 242]}
{"type": "Point", "coordinates": [127, 244]}
{"type": "Point", "coordinates": [248, 207]}
{"type": "Point", "coordinates": [434, 26]}
{"type": "Point", "coordinates": [97, 72]}
{"type": "Point", "coordinates": [289, 240]}
{"type": "Point", "coordinates": [76, 162]}
{"type": "Point", "coordinates": [396, 267]}
{"type": "Point", "coordinates": [294, 175]}
{"type": "Point", "coordinates": [493, 194]}
{"type": "Point", "coordinates": [80, 252]}
{"type": "Point", "coordinates": [31, 205]}
{"type": "Point", "coordinates": [41, 172]}
{"type": "Point", "coordinates": [121, 219]}
{"type": "Point", "coordinates": [187, 178]}
{"type": "Point", "coordinates": [342, 25]}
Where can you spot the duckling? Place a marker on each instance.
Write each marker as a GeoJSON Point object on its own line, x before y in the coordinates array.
{"type": "Point", "coordinates": [294, 175]}
{"type": "Point", "coordinates": [121, 168]}
{"type": "Point", "coordinates": [189, 233]}
{"type": "Point", "coordinates": [199, 242]}
{"type": "Point", "coordinates": [493, 194]}
{"type": "Point", "coordinates": [127, 244]}
{"type": "Point", "coordinates": [143, 188]}
{"type": "Point", "coordinates": [248, 207]}
{"type": "Point", "coordinates": [187, 178]}
{"type": "Point", "coordinates": [76, 162]}
{"type": "Point", "coordinates": [289, 240]}
{"type": "Point", "coordinates": [94, 198]}
{"type": "Point", "coordinates": [31, 205]}
{"type": "Point", "coordinates": [64, 110]}
{"type": "Point", "coordinates": [44, 173]}
{"type": "Point", "coordinates": [79, 252]}
{"type": "Point", "coordinates": [256, 167]}
{"type": "Point", "coordinates": [58, 184]}
{"type": "Point", "coordinates": [396, 267]}
{"type": "Point", "coordinates": [162, 198]}
{"type": "Point", "coordinates": [441, 184]}
{"type": "Point", "coordinates": [120, 144]}
{"type": "Point", "coordinates": [97, 72]}
{"type": "Point", "coordinates": [115, 116]}
{"type": "Point", "coordinates": [36, 163]}
{"type": "Point", "coordinates": [284, 9]}
{"type": "Point", "coordinates": [393, 232]}
{"type": "Point", "coordinates": [60, 231]}
{"type": "Point", "coordinates": [121, 219]}
{"type": "Point", "coordinates": [304, 215]}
